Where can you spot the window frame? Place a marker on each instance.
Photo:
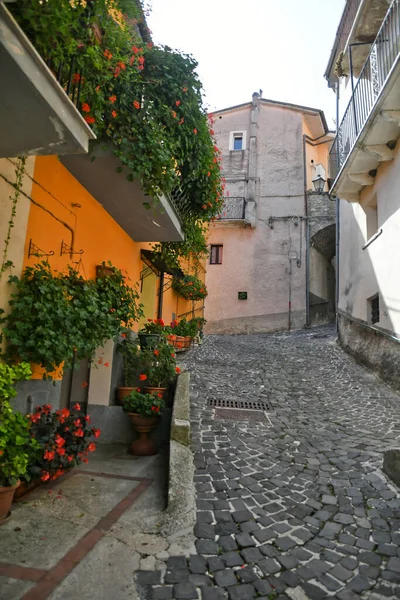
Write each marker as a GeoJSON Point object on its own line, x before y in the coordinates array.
{"type": "Point", "coordinates": [219, 255]}
{"type": "Point", "coordinates": [236, 134]}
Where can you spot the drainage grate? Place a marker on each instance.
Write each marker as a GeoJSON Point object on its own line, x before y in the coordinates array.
{"type": "Point", "coordinates": [230, 414]}
{"type": "Point", "coordinates": [238, 404]}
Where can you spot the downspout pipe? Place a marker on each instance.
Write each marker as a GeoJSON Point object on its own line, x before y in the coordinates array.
{"type": "Point", "coordinates": [160, 296]}
{"type": "Point", "coordinates": [337, 241]}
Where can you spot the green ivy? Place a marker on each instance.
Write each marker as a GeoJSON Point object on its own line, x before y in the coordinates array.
{"type": "Point", "coordinates": [60, 318]}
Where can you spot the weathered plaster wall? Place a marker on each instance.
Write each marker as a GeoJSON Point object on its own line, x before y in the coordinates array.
{"type": "Point", "coordinates": [257, 260]}
{"type": "Point", "coordinates": [364, 273]}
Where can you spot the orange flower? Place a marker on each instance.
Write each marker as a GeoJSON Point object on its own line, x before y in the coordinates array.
{"type": "Point", "coordinates": [113, 98]}
{"type": "Point", "coordinates": [150, 45]}
{"type": "Point", "coordinates": [107, 364]}
{"type": "Point", "coordinates": [123, 335]}
{"type": "Point", "coordinates": [208, 174]}
{"type": "Point", "coordinates": [49, 455]}
{"type": "Point", "coordinates": [117, 71]}
{"type": "Point", "coordinates": [96, 432]}
{"type": "Point", "coordinates": [212, 131]}
{"type": "Point", "coordinates": [141, 60]}
{"type": "Point", "coordinates": [45, 476]}
{"type": "Point", "coordinates": [85, 384]}
{"type": "Point", "coordinates": [114, 114]}
{"type": "Point", "coordinates": [195, 131]}
{"type": "Point", "coordinates": [174, 114]}
{"type": "Point", "coordinates": [87, 418]}
{"type": "Point", "coordinates": [173, 355]}
{"type": "Point", "coordinates": [70, 458]}
{"type": "Point", "coordinates": [90, 120]}
{"type": "Point", "coordinates": [121, 65]}
{"type": "Point", "coordinates": [59, 441]}
{"type": "Point", "coordinates": [107, 54]}
{"type": "Point", "coordinates": [60, 451]}
{"type": "Point", "coordinates": [184, 89]}
{"type": "Point", "coordinates": [156, 352]}
{"type": "Point", "coordinates": [204, 206]}
{"type": "Point", "coordinates": [177, 103]}
{"type": "Point", "coordinates": [79, 433]}
{"type": "Point", "coordinates": [181, 121]}
{"type": "Point", "coordinates": [142, 377]}
{"type": "Point", "coordinates": [99, 362]}
{"type": "Point", "coordinates": [76, 78]}
{"type": "Point", "coordinates": [135, 50]}
{"type": "Point", "coordinates": [97, 88]}
{"type": "Point", "coordinates": [177, 370]}
{"type": "Point", "coordinates": [137, 106]}
{"type": "Point", "coordinates": [78, 406]}
{"type": "Point", "coordinates": [85, 107]}
{"type": "Point", "coordinates": [92, 447]}
{"type": "Point", "coordinates": [131, 60]}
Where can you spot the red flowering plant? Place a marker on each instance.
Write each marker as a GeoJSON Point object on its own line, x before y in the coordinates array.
{"type": "Point", "coordinates": [145, 405]}
{"type": "Point", "coordinates": [65, 439]}
{"type": "Point", "coordinates": [158, 365]}
{"type": "Point", "coordinates": [153, 326]}
{"type": "Point", "coordinates": [190, 287]}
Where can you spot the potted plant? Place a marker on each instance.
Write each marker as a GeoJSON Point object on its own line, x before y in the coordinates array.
{"type": "Point", "coordinates": [129, 350]}
{"type": "Point", "coordinates": [158, 368]}
{"type": "Point", "coordinates": [151, 333]}
{"type": "Point", "coordinates": [15, 439]}
{"type": "Point", "coordinates": [65, 440]}
{"type": "Point", "coordinates": [190, 287]}
{"type": "Point", "coordinates": [185, 331]}
{"type": "Point", "coordinates": [144, 410]}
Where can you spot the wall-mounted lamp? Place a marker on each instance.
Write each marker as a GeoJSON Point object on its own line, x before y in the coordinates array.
{"type": "Point", "coordinates": [319, 183]}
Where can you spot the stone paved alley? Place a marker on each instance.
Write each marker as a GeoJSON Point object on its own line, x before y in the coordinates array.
{"type": "Point", "coordinates": [296, 505]}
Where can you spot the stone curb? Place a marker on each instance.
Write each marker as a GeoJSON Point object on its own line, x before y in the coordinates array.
{"type": "Point", "coordinates": [180, 515]}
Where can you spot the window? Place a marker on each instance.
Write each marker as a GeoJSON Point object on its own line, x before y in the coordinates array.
{"type": "Point", "coordinates": [216, 254]}
{"type": "Point", "coordinates": [373, 306]}
{"type": "Point", "coordinates": [237, 140]}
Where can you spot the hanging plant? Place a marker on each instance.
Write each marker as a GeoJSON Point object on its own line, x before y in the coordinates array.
{"type": "Point", "coordinates": [190, 287]}
{"type": "Point", "coordinates": [58, 318]}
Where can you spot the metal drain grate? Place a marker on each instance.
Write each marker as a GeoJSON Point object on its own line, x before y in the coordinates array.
{"type": "Point", "coordinates": [238, 404]}
{"type": "Point", "coordinates": [230, 414]}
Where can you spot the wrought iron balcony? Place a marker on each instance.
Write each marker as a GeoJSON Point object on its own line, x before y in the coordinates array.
{"type": "Point", "coordinates": [383, 58]}
{"type": "Point", "coordinates": [233, 209]}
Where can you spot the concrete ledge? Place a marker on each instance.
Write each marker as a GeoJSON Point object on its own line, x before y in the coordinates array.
{"type": "Point", "coordinates": [180, 426]}
{"type": "Point", "coordinates": [391, 465]}
{"type": "Point", "coordinates": [180, 515]}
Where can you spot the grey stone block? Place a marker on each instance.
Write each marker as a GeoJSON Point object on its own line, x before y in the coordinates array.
{"type": "Point", "coordinates": [391, 464]}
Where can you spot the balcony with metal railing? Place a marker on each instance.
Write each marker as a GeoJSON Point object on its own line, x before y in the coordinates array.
{"type": "Point", "coordinates": [233, 209]}
{"type": "Point", "coordinates": [369, 129]}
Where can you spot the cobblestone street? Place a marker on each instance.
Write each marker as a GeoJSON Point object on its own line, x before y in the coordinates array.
{"type": "Point", "coordinates": [293, 504]}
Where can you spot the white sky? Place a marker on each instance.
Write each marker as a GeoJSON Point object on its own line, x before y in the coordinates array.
{"type": "Point", "coordinates": [279, 46]}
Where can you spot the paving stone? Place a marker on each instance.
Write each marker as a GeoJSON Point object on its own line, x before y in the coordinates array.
{"type": "Point", "coordinates": [241, 516]}
{"type": "Point", "coordinates": [225, 578]}
{"type": "Point", "coordinates": [263, 587]}
{"type": "Point", "coordinates": [340, 573]}
{"type": "Point", "coordinates": [251, 555]}
{"type": "Point", "coordinates": [213, 594]}
{"type": "Point", "coordinates": [148, 577]}
{"type": "Point", "coordinates": [215, 563]}
{"type": "Point", "coordinates": [185, 591]}
{"type": "Point", "coordinates": [206, 547]}
{"type": "Point", "coordinates": [227, 543]}
{"type": "Point", "coordinates": [359, 584]}
{"type": "Point", "coordinates": [285, 543]}
{"type": "Point", "coordinates": [244, 540]}
{"type": "Point", "coordinates": [329, 582]}
{"type": "Point", "coordinates": [162, 593]}
{"type": "Point", "coordinates": [313, 591]}
{"type": "Point", "coordinates": [349, 562]}
{"type": "Point", "coordinates": [269, 566]}
{"type": "Point", "coordinates": [204, 531]}
{"type": "Point", "coordinates": [288, 561]}
{"type": "Point", "coordinates": [176, 562]}
{"type": "Point", "coordinates": [241, 592]}
{"type": "Point", "coordinates": [246, 575]}
{"type": "Point", "coordinates": [197, 564]}
{"type": "Point", "coordinates": [177, 576]}
{"type": "Point", "coordinates": [232, 559]}
{"type": "Point", "coordinates": [393, 564]}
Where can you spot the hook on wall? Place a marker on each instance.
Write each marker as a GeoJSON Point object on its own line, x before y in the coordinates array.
{"type": "Point", "coordinates": [65, 249]}
{"type": "Point", "coordinates": [34, 250]}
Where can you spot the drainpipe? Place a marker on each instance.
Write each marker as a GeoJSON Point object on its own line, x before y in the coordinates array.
{"type": "Point", "coordinates": [160, 296]}
{"type": "Point", "coordinates": [337, 216]}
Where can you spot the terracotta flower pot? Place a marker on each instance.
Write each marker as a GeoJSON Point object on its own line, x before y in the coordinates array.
{"type": "Point", "coordinates": [25, 489]}
{"type": "Point", "coordinates": [123, 392]}
{"type": "Point", "coordinates": [6, 498]}
{"type": "Point", "coordinates": [142, 446]}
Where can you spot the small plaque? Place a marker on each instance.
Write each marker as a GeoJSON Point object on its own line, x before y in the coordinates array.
{"type": "Point", "coordinates": [242, 295]}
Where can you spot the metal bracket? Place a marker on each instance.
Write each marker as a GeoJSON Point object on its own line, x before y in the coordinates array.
{"type": "Point", "coordinates": [65, 249]}
{"type": "Point", "coordinates": [34, 250]}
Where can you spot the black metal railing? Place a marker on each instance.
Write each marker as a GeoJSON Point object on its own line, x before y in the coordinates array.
{"type": "Point", "coordinates": [383, 55]}
{"type": "Point", "coordinates": [70, 77]}
{"type": "Point", "coordinates": [233, 208]}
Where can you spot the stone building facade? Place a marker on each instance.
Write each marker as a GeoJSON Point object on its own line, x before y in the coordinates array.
{"type": "Point", "coordinates": [270, 267]}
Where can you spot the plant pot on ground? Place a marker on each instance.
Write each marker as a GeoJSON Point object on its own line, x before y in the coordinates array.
{"type": "Point", "coordinates": [152, 333]}
{"type": "Point", "coordinates": [158, 368]}
{"type": "Point", "coordinates": [16, 444]}
{"type": "Point", "coordinates": [129, 351]}
{"type": "Point", "coordinates": [144, 411]}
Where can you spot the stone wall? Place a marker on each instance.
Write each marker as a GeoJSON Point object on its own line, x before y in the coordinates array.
{"type": "Point", "coordinates": [372, 349]}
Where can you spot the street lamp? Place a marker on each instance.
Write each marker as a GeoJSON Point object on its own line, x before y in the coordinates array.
{"type": "Point", "coordinates": [319, 183]}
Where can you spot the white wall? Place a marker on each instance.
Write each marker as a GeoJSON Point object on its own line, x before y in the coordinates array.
{"type": "Point", "coordinates": [363, 273]}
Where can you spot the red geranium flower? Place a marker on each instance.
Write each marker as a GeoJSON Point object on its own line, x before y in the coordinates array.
{"type": "Point", "coordinates": [45, 476]}
{"type": "Point", "coordinates": [114, 114]}
{"type": "Point", "coordinates": [142, 377]}
{"type": "Point", "coordinates": [184, 89]}
{"type": "Point", "coordinates": [77, 406]}
{"type": "Point", "coordinates": [59, 441]}
{"type": "Point", "coordinates": [87, 418]}
{"type": "Point", "coordinates": [177, 370]}
{"type": "Point", "coordinates": [92, 447]}
{"type": "Point", "coordinates": [49, 455]}
{"type": "Point", "coordinates": [77, 423]}
{"type": "Point", "coordinates": [113, 98]}
{"type": "Point", "coordinates": [70, 458]}
{"type": "Point", "coordinates": [96, 432]}
{"type": "Point", "coordinates": [195, 131]}
{"type": "Point", "coordinates": [61, 451]}
{"type": "Point", "coordinates": [156, 352]}
{"type": "Point", "coordinates": [177, 103]}
{"type": "Point", "coordinates": [79, 433]}
{"type": "Point", "coordinates": [89, 120]}
{"type": "Point", "coordinates": [107, 54]}
{"type": "Point", "coordinates": [136, 105]}
{"type": "Point", "coordinates": [85, 107]}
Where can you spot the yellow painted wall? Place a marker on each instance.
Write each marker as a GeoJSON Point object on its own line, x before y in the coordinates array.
{"type": "Point", "coordinates": [62, 209]}
{"type": "Point", "coordinates": [319, 154]}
